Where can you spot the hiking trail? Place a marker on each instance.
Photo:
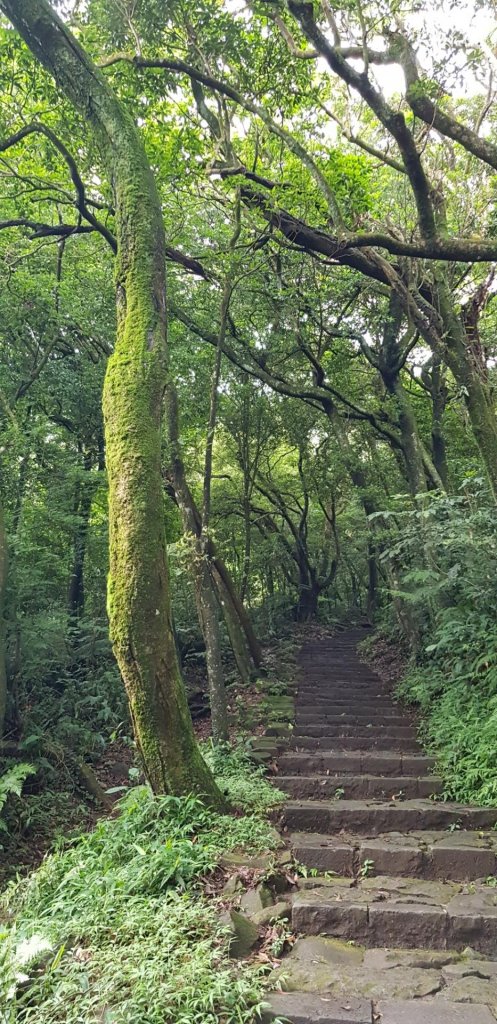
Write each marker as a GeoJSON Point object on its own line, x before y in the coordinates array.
{"type": "Point", "coordinates": [405, 929]}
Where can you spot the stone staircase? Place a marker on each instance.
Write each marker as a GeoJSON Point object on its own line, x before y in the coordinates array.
{"type": "Point", "coordinates": [397, 917]}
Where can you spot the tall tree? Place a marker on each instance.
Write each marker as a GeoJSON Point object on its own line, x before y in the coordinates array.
{"type": "Point", "coordinates": [138, 596]}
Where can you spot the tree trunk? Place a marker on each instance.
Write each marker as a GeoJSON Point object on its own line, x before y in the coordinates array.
{"type": "Point", "coordinates": [3, 625]}
{"type": "Point", "coordinates": [236, 635]}
{"type": "Point", "coordinates": [438, 445]}
{"type": "Point", "coordinates": [138, 594]}
{"type": "Point", "coordinates": [239, 608]}
{"type": "Point", "coordinates": [306, 608]}
{"type": "Point", "coordinates": [411, 444]}
{"type": "Point", "coordinates": [205, 579]}
{"type": "Point", "coordinates": [82, 510]}
{"type": "Point", "coordinates": [244, 643]}
{"type": "Point", "coordinates": [372, 598]}
{"type": "Point", "coordinates": [467, 373]}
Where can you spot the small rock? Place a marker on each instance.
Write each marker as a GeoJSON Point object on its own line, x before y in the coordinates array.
{"type": "Point", "coordinates": [232, 886]}
{"type": "Point", "coordinates": [280, 911]}
{"type": "Point", "coordinates": [279, 729]}
{"type": "Point", "coordinates": [255, 900]}
{"type": "Point", "coordinates": [285, 857]}
{"type": "Point", "coordinates": [244, 933]}
{"type": "Point", "coordinates": [241, 860]}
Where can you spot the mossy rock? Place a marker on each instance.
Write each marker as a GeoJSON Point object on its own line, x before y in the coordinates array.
{"type": "Point", "coordinates": [244, 933]}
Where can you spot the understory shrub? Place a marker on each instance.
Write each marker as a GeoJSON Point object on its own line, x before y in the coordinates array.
{"type": "Point", "coordinates": [244, 784]}
{"type": "Point", "coordinates": [115, 927]}
{"type": "Point", "coordinates": [453, 600]}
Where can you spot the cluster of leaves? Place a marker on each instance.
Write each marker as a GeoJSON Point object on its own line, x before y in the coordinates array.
{"type": "Point", "coordinates": [11, 783]}
{"type": "Point", "coordinates": [453, 599]}
{"type": "Point", "coordinates": [115, 924]}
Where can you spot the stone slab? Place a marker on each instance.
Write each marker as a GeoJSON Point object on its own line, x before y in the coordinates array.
{"type": "Point", "coordinates": [364, 731]}
{"type": "Point", "coordinates": [373, 817]}
{"type": "Point", "coordinates": [415, 925]}
{"type": "Point", "coordinates": [354, 743]}
{"type": "Point", "coordinates": [359, 787]}
{"type": "Point", "coordinates": [431, 1012]}
{"type": "Point", "coordinates": [308, 1008]}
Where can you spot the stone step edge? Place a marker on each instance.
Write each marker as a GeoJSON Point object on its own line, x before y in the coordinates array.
{"type": "Point", "coordinates": [434, 856]}
{"type": "Point", "coordinates": [359, 760]}
{"type": "Point", "coordinates": [389, 916]}
{"type": "Point", "coordinates": [320, 1008]}
{"type": "Point", "coordinates": [363, 786]}
{"type": "Point", "coordinates": [372, 816]}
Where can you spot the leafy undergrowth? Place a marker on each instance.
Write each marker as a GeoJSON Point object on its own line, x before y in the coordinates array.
{"type": "Point", "coordinates": [116, 928]}
{"type": "Point", "coordinates": [244, 784]}
{"type": "Point", "coordinates": [446, 604]}
{"type": "Point", "coordinates": [459, 726]}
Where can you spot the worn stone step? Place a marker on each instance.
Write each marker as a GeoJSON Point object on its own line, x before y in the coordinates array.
{"type": "Point", "coordinates": [324, 729]}
{"type": "Point", "coordinates": [346, 707]}
{"type": "Point", "coordinates": [354, 762]}
{"type": "Point", "coordinates": [401, 913]}
{"type": "Point", "coordinates": [371, 817]}
{"type": "Point", "coordinates": [350, 718]}
{"type": "Point", "coordinates": [311, 1008]}
{"type": "Point", "coordinates": [316, 1008]}
{"type": "Point", "coordinates": [459, 856]}
{"type": "Point", "coordinates": [331, 970]}
{"type": "Point", "coordinates": [353, 787]}
{"type": "Point", "coordinates": [431, 1011]}
{"type": "Point", "coordinates": [344, 686]}
{"type": "Point", "coordinates": [360, 741]}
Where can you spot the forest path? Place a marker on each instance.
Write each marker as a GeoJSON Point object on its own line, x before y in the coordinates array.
{"type": "Point", "coordinates": [405, 929]}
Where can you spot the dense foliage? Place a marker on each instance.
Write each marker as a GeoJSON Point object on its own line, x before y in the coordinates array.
{"type": "Point", "coordinates": [115, 923]}
{"type": "Point", "coordinates": [301, 425]}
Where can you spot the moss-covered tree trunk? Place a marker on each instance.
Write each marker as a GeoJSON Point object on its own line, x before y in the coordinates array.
{"type": "Point", "coordinates": [228, 592]}
{"type": "Point", "coordinates": [3, 585]}
{"type": "Point", "coordinates": [411, 444]}
{"type": "Point", "coordinates": [460, 360]}
{"type": "Point", "coordinates": [238, 643]}
{"type": "Point", "coordinates": [138, 593]}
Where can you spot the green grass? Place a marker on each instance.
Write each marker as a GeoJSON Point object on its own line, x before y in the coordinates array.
{"type": "Point", "coordinates": [115, 928]}
{"type": "Point", "coordinates": [244, 784]}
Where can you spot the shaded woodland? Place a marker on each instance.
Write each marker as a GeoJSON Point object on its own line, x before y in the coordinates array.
{"type": "Point", "coordinates": [248, 371]}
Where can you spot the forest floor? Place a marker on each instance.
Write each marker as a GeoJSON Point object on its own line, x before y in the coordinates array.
{"type": "Point", "coordinates": [156, 886]}
{"type": "Point", "coordinates": [53, 807]}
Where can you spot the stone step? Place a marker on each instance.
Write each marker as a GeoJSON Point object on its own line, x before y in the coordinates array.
{"type": "Point", "coordinates": [347, 707]}
{"type": "Point", "coordinates": [313, 1008]}
{"type": "Point", "coordinates": [359, 741]}
{"type": "Point", "coordinates": [460, 856]}
{"type": "Point", "coordinates": [310, 1008]}
{"type": "Point", "coordinates": [401, 913]}
{"type": "Point", "coordinates": [431, 1012]}
{"type": "Point", "coordinates": [379, 762]}
{"type": "Point", "coordinates": [324, 729]}
{"type": "Point", "coordinates": [345, 687]}
{"type": "Point", "coordinates": [350, 718]}
{"type": "Point", "coordinates": [353, 787]}
{"type": "Point", "coordinates": [417, 984]}
{"type": "Point", "coordinates": [371, 817]}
